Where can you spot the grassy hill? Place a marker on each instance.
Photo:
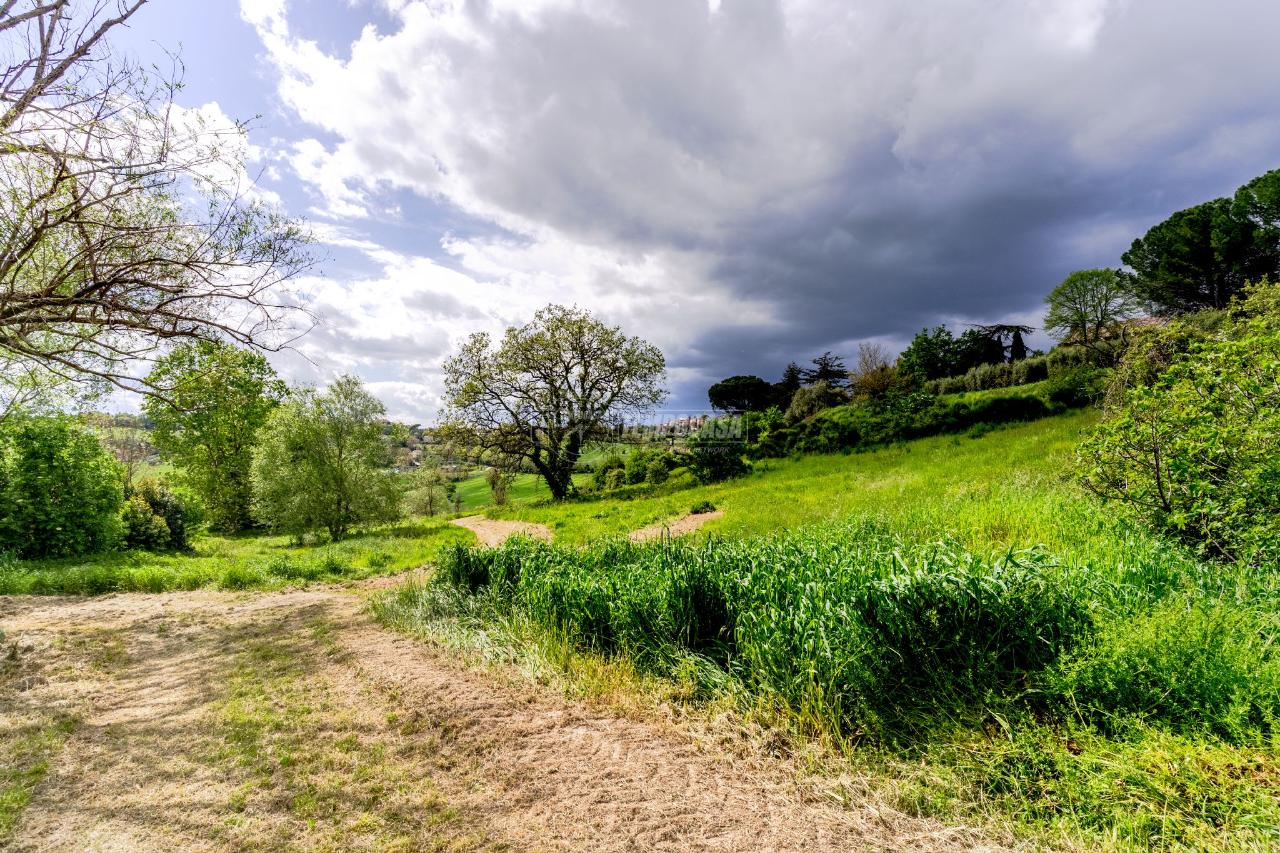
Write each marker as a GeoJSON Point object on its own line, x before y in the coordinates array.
{"type": "Point", "coordinates": [1005, 488]}
{"type": "Point", "coordinates": [953, 615]}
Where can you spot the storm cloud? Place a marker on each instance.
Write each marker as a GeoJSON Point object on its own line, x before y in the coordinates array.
{"type": "Point", "coordinates": [753, 181]}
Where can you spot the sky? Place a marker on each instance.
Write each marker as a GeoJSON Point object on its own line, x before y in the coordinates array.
{"type": "Point", "coordinates": [742, 182]}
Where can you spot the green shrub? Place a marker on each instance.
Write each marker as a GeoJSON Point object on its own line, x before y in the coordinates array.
{"type": "Point", "coordinates": [176, 513]}
{"type": "Point", "coordinates": [60, 490]}
{"type": "Point", "coordinates": [1075, 385]}
{"type": "Point", "coordinates": [656, 472]}
{"type": "Point", "coordinates": [714, 458]}
{"type": "Point", "coordinates": [1194, 453]}
{"type": "Point", "coordinates": [613, 462]}
{"type": "Point", "coordinates": [614, 478]}
{"type": "Point", "coordinates": [142, 527]}
{"type": "Point", "coordinates": [811, 399]}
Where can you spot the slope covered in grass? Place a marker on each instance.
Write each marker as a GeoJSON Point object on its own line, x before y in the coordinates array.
{"type": "Point", "coordinates": [954, 614]}
{"type": "Point", "coordinates": [1004, 488]}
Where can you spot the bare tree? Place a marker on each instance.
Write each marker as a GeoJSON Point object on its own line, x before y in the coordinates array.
{"type": "Point", "coordinates": [131, 450]}
{"type": "Point", "coordinates": [872, 357]}
{"type": "Point", "coordinates": [125, 221]}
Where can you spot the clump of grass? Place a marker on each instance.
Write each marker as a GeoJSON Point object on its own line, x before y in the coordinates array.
{"type": "Point", "coordinates": [1129, 703]}
{"type": "Point", "coordinates": [842, 623]}
{"type": "Point", "coordinates": [702, 507]}
{"type": "Point", "coordinates": [26, 755]}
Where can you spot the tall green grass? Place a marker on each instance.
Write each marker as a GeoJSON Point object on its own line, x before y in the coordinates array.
{"type": "Point", "coordinates": [952, 613]}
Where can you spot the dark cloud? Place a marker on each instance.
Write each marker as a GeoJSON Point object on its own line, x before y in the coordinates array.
{"type": "Point", "coordinates": [860, 170]}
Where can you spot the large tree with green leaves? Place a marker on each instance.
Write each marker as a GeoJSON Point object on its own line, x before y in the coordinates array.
{"type": "Point", "coordinates": [1090, 309]}
{"type": "Point", "coordinates": [1201, 257]}
{"type": "Point", "coordinates": [742, 394]}
{"type": "Point", "coordinates": [323, 463]}
{"type": "Point", "coordinates": [930, 355]}
{"type": "Point", "coordinates": [218, 397]}
{"type": "Point", "coordinates": [549, 387]}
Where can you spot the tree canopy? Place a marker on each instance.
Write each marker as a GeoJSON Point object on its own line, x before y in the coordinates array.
{"type": "Point", "coordinates": [741, 394]}
{"type": "Point", "coordinates": [1090, 307]}
{"type": "Point", "coordinates": [218, 396]}
{"type": "Point", "coordinates": [548, 387]}
{"type": "Point", "coordinates": [322, 463]}
{"type": "Point", "coordinates": [1201, 257]}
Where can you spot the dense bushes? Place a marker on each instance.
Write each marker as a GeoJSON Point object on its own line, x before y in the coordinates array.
{"type": "Point", "coordinates": [60, 491]}
{"type": "Point", "coordinates": [1010, 374]}
{"type": "Point", "coordinates": [1201, 667]}
{"type": "Point", "coordinates": [716, 452]}
{"type": "Point", "coordinates": [1194, 453]}
{"type": "Point", "coordinates": [158, 519]}
{"type": "Point", "coordinates": [859, 426]}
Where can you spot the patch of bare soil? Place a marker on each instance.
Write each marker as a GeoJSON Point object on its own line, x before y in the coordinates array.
{"type": "Point", "coordinates": [493, 531]}
{"type": "Point", "coordinates": [507, 765]}
{"type": "Point", "coordinates": [679, 527]}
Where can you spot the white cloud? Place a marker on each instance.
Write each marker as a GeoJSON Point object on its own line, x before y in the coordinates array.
{"type": "Point", "coordinates": [746, 182]}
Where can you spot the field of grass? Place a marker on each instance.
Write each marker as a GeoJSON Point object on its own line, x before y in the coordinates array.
{"type": "Point", "coordinates": [952, 615]}
{"type": "Point", "coordinates": [475, 494]}
{"type": "Point", "coordinates": [250, 561]}
{"type": "Point", "coordinates": [1034, 389]}
{"type": "Point", "coordinates": [1004, 489]}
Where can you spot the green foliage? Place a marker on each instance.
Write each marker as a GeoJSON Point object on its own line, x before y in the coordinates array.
{"type": "Point", "coordinates": [1193, 454]}
{"type": "Point", "coordinates": [612, 462]}
{"type": "Point", "coordinates": [844, 624]}
{"type": "Point", "coordinates": [1201, 667]}
{"type": "Point", "coordinates": [614, 479]}
{"type": "Point", "coordinates": [1203, 256]}
{"type": "Point", "coordinates": [60, 490]}
{"type": "Point", "coordinates": [142, 527]}
{"type": "Point", "coordinates": [1090, 308]}
{"type": "Point", "coordinates": [930, 355]}
{"type": "Point", "coordinates": [217, 398]}
{"type": "Point", "coordinates": [657, 472]}
{"type": "Point", "coordinates": [156, 518]}
{"type": "Point", "coordinates": [322, 463]}
{"type": "Point", "coordinates": [235, 562]}
{"type": "Point", "coordinates": [827, 368]}
{"type": "Point", "coordinates": [716, 452]}
{"type": "Point", "coordinates": [811, 399]}
{"type": "Point", "coordinates": [1074, 385]}
{"type": "Point", "coordinates": [551, 386]}
{"type": "Point", "coordinates": [739, 394]}
{"type": "Point", "coordinates": [429, 490]}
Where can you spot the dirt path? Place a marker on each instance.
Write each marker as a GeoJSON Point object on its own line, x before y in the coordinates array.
{"type": "Point", "coordinates": [292, 720]}
{"type": "Point", "coordinates": [492, 531]}
{"type": "Point", "coordinates": [679, 527]}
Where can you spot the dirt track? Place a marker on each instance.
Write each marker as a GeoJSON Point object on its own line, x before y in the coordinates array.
{"type": "Point", "coordinates": [507, 765]}
{"type": "Point", "coordinates": [492, 531]}
{"type": "Point", "coordinates": [685, 524]}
